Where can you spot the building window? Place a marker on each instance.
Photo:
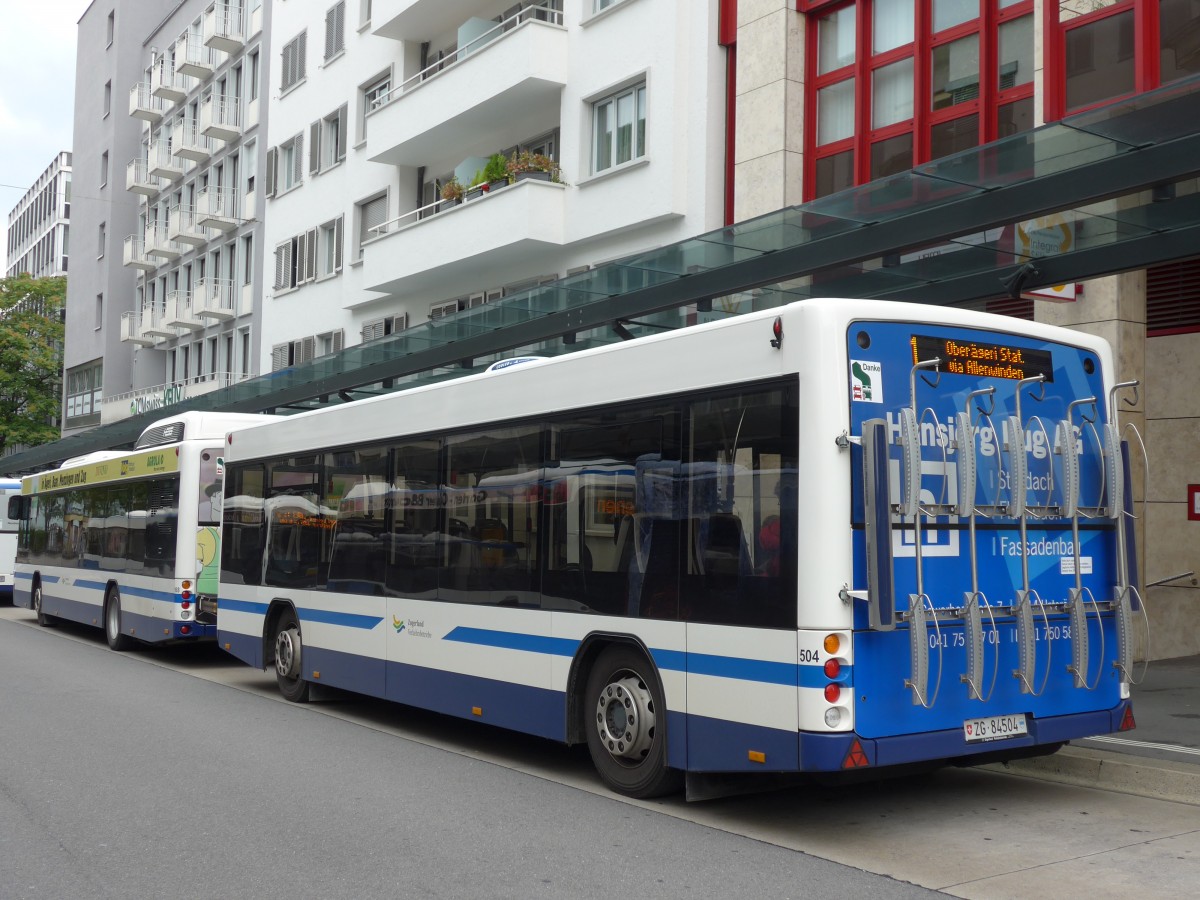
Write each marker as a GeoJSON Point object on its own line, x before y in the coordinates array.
{"type": "Point", "coordinates": [372, 95]}
{"type": "Point", "coordinates": [85, 391]}
{"type": "Point", "coordinates": [99, 312]}
{"type": "Point", "coordinates": [104, 168]}
{"type": "Point", "coordinates": [252, 74]}
{"type": "Point", "coordinates": [100, 240]}
{"type": "Point", "coordinates": [291, 163]}
{"type": "Point", "coordinates": [330, 247]}
{"type": "Point", "coordinates": [619, 128]}
{"type": "Point", "coordinates": [327, 139]}
{"type": "Point", "coordinates": [927, 85]}
{"type": "Point", "coordinates": [335, 30]}
{"type": "Point", "coordinates": [107, 98]}
{"type": "Point", "coordinates": [294, 53]}
{"type": "Point", "coordinates": [248, 259]}
{"type": "Point", "coordinates": [111, 28]}
{"type": "Point", "coordinates": [371, 214]}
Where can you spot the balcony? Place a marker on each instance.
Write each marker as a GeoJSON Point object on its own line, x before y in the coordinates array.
{"type": "Point", "coordinates": [189, 143]}
{"type": "Point", "coordinates": [139, 180]}
{"type": "Point", "coordinates": [408, 20]}
{"type": "Point", "coordinates": [154, 322]}
{"type": "Point", "coordinates": [224, 28]}
{"type": "Point", "coordinates": [166, 84]}
{"type": "Point", "coordinates": [504, 84]}
{"type": "Point", "coordinates": [144, 105]}
{"type": "Point", "coordinates": [214, 298]}
{"type": "Point", "coordinates": [135, 255]}
{"type": "Point", "coordinates": [163, 164]}
{"type": "Point", "coordinates": [183, 228]}
{"type": "Point", "coordinates": [180, 313]}
{"type": "Point", "coordinates": [217, 208]}
{"type": "Point", "coordinates": [131, 330]}
{"type": "Point", "coordinates": [509, 230]}
{"type": "Point", "coordinates": [193, 58]}
{"type": "Point", "coordinates": [158, 244]}
{"type": "Point", "coordinates": [221, 118]}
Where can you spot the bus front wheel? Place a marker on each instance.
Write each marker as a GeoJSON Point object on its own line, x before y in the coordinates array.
{"type": "Point", "coordinates": [289, 651]}
{"type": "Point", "coordinates": [626, 724]}
{"type": "Point", "coordinates": [117, 640]}
{"type": "Point", "coordinates": [42, 619]}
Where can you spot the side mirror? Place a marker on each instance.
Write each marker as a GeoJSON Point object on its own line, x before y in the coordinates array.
{"type": "Point", "coordinates": [18, 508]}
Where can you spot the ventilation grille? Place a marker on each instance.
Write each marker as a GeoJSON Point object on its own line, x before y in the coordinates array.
{"type": "Point", "coordinates": [1173, 297]}
{"type": "Point", "coordinates": [171, 433]}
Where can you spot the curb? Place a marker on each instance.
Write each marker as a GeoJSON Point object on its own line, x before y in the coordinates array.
{"type": "Point", "coordinates": [1146, 777]}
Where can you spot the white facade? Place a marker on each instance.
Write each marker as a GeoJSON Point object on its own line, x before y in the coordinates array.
{"type": "Point", "coordinates": [386, 99]}
{"type": "Point", "coordinates": [39, 225]}
{"type": "Point", "coordinates": [200, 107]}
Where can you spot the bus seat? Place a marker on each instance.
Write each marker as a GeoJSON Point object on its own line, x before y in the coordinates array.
{"type": "Point", "coordinates": [722, 545]}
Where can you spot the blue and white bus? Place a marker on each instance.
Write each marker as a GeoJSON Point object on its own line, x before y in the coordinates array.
{"type": "Point", "coordinates": [9, 487]}
{"type": "Point", "coordinates": [128, 541]}
{"type": "Point", "coordinates": [837, 535]}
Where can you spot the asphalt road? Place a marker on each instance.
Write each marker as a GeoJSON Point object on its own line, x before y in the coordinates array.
{"type": "Point", "coordinates": [125, 778]}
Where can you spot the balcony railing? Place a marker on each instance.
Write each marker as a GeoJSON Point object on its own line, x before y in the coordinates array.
{"type": "Point", "coordinates": [183, 227]}
{"type": "Point", "coordinates": [180, 313]}
{"type": "Point", "coordinates": [144, 105]}
{"type": "Point", "coordinates": [154, 322]}
{"type": "Point", "coordinates": [189, 143]}
{"type": "Point", "coordinates": [139, 180]}
{"type": "Point", "coordinates": [135, 256]}
{"type": "Point", "coordinates": [164, 164]}
{"type": "Point", "coordinates": [225, 28]}
{"type": "Point", "coordinates": [131, 329]}
{"type": "Point", "coordinates": [159, 244]}
{"type": "Point", "coordinates": [193, 58]}
{"type": "Point", "coordinates": [215, 298]}
{"type": "Point", "coordinates": [166, 83]}
{"type": "Point", "coordinates": [216, 207]}
{"type": "Point", "coordinates": [221, 117]}
{"type": "Point", "coordinates": [540, 13]}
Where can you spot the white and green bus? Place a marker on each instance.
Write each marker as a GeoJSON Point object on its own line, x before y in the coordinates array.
{"type": "Point", "coordinates": [129, 541]}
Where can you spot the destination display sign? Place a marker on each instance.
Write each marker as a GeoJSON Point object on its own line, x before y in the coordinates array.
{"type": "Point", "coordinates": [983, 360]}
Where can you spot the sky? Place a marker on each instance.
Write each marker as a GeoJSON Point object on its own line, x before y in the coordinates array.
{"type": "Point", "coordinates": [37, 92]}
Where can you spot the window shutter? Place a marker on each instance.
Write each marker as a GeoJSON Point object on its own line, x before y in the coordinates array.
{"type": "Point", "coordinates": [301, 54]}
{"type": "Point", "coordinates": [337, 244]}
{"type": "Point", "coordinates": [339, 340]}
{"type": "Point", "coordinates": [374, 213]}
{"type": "Point", "coordinates": [271, 155]}
{"type": "Point", "coordinates": [287, 70]}
{"type": "Point", "coordinates": [372, 330]}
{"type": "Point", "coordinates": [282, 254]}
{"type": "Point", "coordinates": [341, 132]}
{"type": "Point", "coordinates": [306, 349]}
{"type": "Point", "coordinates": [279, 355]}
{"type": "Point", "coordinates": [301, 257]}
{"type": "Point", "coordinates": [399, 323]}
{"type": "Point", "coordinates": [335, 30]}
{"type": "Point", "coordinates": [298, 159]}
{"type": "Point", "coordinates": [314, 147]}
{"type": "Point", "coordinates": [310, 263]}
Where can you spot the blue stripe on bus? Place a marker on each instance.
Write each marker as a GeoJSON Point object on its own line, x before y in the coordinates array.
{"type": "Point", "coordinates": [324, 616]}
{"type": "Point", "coordinates": [129, 591]}
{"type": "Point", "coordinates": [244, 606]}
{"type": "Point", "coordinates": [763, 671]}
{"type": "Point", "coordinates": [28, 575]}
{"type": "Point", "coordinates": [509, 640]}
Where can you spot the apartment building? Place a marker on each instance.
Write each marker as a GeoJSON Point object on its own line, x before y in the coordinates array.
{"type": "Point", "coordinates": [377, 106]}
{"type": "Point", "coordinates": [198, 107]}
{"type": "Point", "coordinates": [37, 239]}
{"type": "Point", "coordinates": [836, 93]}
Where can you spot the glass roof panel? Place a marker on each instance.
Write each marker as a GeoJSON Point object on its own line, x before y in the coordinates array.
{"type": "Point", "coordinates": [890, 198]}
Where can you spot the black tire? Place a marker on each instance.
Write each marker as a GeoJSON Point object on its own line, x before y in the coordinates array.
{"type": "Point", "coordinates": [36, 602]}
{"type": "Point", "coordinates": [288, 649]}
{"type": "Point", "coordinates": [626, 723]}
{"type": "Point", "coordinates": [113, 633]}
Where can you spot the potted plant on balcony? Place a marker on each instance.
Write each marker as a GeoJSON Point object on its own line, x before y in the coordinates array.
{"type": "Point", "coordinates": [523, 164]}
{"type": "Point", "coordinates": [477, 188]}
{"type": "Point", "coordinates": [452, 193]}
{"type": "Point", "coordinates": [495, 173]}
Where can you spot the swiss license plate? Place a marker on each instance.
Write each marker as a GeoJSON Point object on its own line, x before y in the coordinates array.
{"type": "Point", "coordinates": [994, 728]}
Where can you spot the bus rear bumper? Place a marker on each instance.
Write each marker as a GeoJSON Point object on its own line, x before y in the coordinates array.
{"type": "Point", "coordinates": [835, 752]}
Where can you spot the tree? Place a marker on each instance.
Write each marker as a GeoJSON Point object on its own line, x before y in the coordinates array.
{"type": "Point", "coordinates": [31, 342]}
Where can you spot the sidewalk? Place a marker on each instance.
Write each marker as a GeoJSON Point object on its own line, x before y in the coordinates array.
{"type": "Point", "coordinates": [1160, 758]}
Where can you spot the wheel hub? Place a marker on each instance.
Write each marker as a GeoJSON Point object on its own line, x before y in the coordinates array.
{"type": "Point", "coordinates": [287, 653]}
{"type": "Point", "coordinates": [625, 718]}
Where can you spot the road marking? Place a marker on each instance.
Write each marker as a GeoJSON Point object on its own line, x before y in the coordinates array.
{"type": "Point", "coordinates": [1145, 745]}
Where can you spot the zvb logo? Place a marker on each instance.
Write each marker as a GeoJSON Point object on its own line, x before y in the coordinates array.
{"type": "Point", "coordinates": [398, 624]}
{"type": "Point", "coordinates": [866, 381]}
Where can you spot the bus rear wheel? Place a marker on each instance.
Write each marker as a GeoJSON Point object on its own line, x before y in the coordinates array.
{"type": "Point", "coordinates": [117, 639]}
{"type": "Point", "coordinates": [42, 619]}
{"type": "Point", "coordinates": [289, 652]}
{"type": "Point", "coordinates": [626, 724]}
